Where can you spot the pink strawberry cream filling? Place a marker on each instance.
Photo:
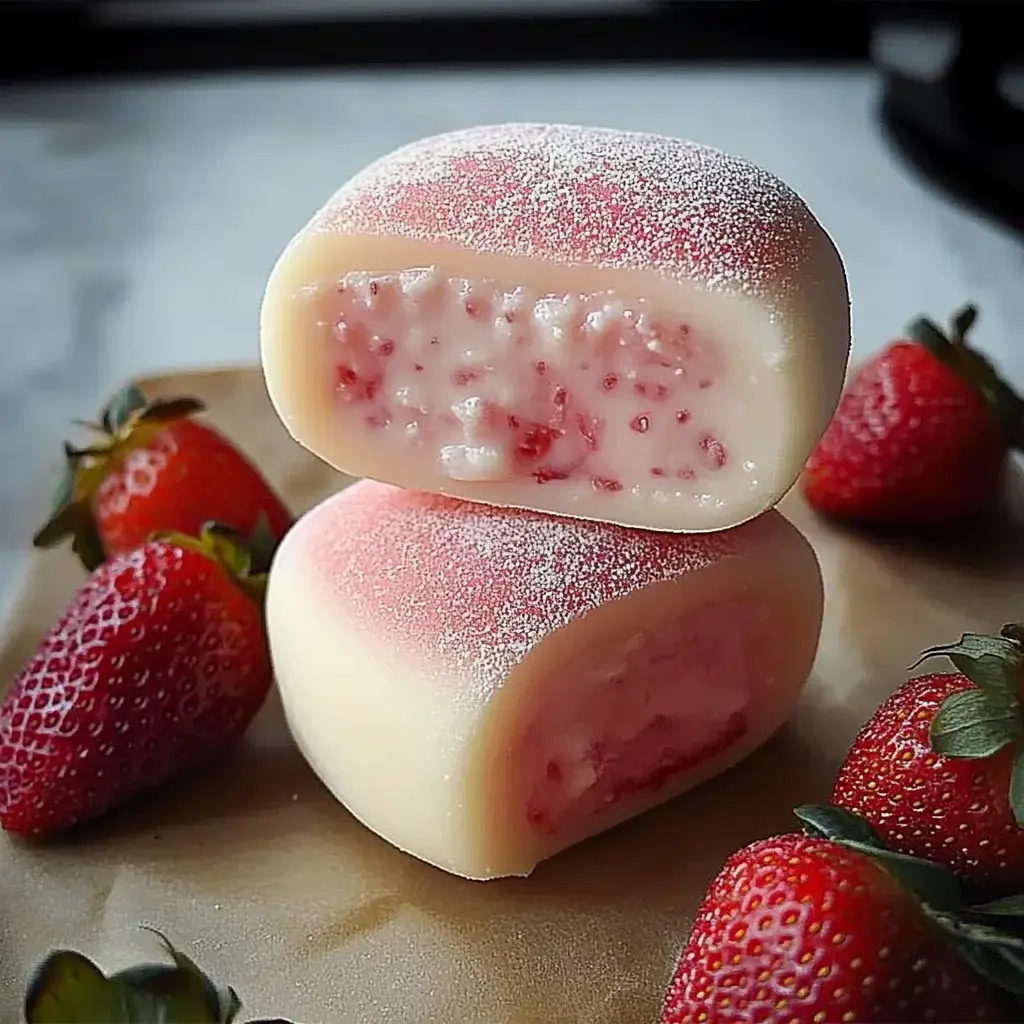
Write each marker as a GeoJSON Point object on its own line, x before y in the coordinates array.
{"type": "Point", "coordinates": [484, 686]}
{"type": "Point", "coordinates": [495, 382]}
{"type": "Point", "coordinates": [635, 712]}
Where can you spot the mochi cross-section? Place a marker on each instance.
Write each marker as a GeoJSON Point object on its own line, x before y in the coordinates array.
{"type": "Point", "coordinates": [485, 687]}
{"type": "Point", "coordinates": [595, 323]}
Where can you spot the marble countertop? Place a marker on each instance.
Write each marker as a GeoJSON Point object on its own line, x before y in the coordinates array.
{"type": "Point", "coordinates": [138, 221]}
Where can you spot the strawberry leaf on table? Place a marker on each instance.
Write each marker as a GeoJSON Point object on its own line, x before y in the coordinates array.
{"type": "Point", "coordinates": [68, 988]}
{"type": "Point", "coordinates": [161, 993]}
{"type": "Point", "coordinates": [181, 989]}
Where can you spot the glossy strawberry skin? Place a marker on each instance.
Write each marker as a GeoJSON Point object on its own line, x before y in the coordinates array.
{"type": "Point", "coordinates": [911, 444]}
{"type": "Point", "coordinates": [184, 475]}
{"type": "Point", "coordinates": [159, 663]}
{"type": "Point", "coordinates": [800, 930]}
{"type": "Point", "coordinates": [954, 811]}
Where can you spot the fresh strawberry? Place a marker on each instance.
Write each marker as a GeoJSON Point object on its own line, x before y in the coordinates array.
{"type": "Point", "coordinates": [155, 469]}
{"type": "Point", "coordinates": [159, 663]}
{"type": "Point", "coordinates": [920, 437]}
{"type": "Point", "coordinates": [803, 929]}
{"type": "Point", "coordinates": [938, 769]}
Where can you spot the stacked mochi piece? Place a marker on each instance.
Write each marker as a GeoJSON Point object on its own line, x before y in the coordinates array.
{"type": "Point", "coordinates": [575, 370]}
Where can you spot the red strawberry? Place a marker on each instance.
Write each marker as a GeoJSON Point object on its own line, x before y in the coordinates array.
{"type": "Point", "coordinates": [920, 436]}
{"type": "Point", "coordinates": [159, 663]}
{"type": "Point", "coordinates": [938, 769]}
{"type": "Point", "coordinates": [154, 469]}
{"type": "Point", "coordinates": [803, 930]}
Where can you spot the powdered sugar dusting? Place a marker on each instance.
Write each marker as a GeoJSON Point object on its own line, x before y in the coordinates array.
{"type": "Point", "coordinates": [591, 196]}
{"type": "Point", "coordinates": [468, 590]}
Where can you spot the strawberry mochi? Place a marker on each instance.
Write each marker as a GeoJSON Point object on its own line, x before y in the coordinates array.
{"type": "Point", "coordinates": [595, 323]}
{"type": "Point", "coordinates": [484, 687]}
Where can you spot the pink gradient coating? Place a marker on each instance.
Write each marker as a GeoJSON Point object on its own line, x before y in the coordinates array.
{"type": "Point", "coordinates": [467, 590]}
{"type": "Point", "coordinates": [587, 196]}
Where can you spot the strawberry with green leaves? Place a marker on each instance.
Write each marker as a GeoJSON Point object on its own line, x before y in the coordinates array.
{"type": "Point", "coordinates": [829, 926]}
{"type": "Point", "coordinates": [154, 468]}
{"type": "Point", "coordinates": [938, 769]}
{"type": "Point", "coordinates": [920, 437]}
{"type": "Point", "coordinates": [159, 663]}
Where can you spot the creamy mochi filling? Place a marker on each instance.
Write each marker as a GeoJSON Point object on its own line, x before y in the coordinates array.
{"type": "Point", "coordinates": [507, 383]}
{"type": "Point", "coordinates": [629, 716]}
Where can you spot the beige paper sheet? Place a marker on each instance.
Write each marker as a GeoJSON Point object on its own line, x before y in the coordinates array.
{"type": "Point", "coordinates": [259, 875]}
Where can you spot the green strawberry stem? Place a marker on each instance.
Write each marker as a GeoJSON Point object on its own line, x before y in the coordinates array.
{"type": "Point", "coordinates": [245, 559]}
{"type": "Point", "coordinates": [983, 934]}
{"type": "Point", "coordinates": [69, 988]}
{"type": "Point", "coordinates": [952, 349]}
{"type": "Point", "coordinates": [128, 421]}
{"type": "Point", "coordinates": [979, 722]}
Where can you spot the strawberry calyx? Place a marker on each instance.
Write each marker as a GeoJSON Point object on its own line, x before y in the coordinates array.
{"type": "Point", "coordinates": [972, 366]}
{"type": "Point", "coordinates": [989, 936]}
{"type": "Point", "coordinates": [246, 560]}
{"type": "Point", "coordinates": [934, 884]}
{"type": "Point", "coordinates": [130, 420]}
{"type": "Point", "coordinates": [69, 988]}
{"type": "Point", "coordinates": [980, 721]}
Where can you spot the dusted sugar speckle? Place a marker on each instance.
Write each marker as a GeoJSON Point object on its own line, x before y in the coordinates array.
{"type": "Point", "coordinates": [593, 196]}
{"type": "Point", "coordinates": [473, 588]}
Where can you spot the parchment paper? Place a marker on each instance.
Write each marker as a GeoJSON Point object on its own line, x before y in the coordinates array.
{"type": "Point", "coordinates": [258, 874]}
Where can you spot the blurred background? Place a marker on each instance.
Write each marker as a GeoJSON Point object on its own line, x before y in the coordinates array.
{"type": "Point", "coordinates": [156, 155]}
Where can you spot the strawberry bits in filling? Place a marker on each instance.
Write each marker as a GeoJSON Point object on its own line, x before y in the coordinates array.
{"type": "Point", "coordinates": [493, 383]}
{"type": "Point", "coordinates": [640, 711]}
